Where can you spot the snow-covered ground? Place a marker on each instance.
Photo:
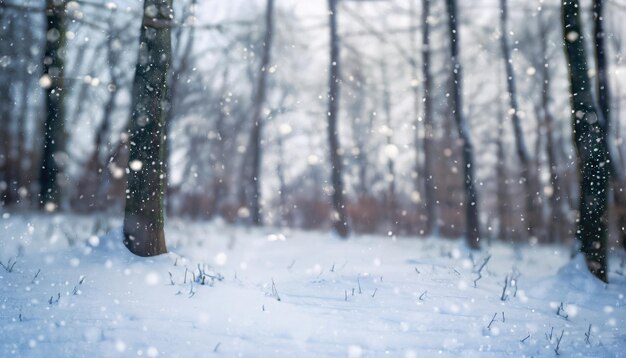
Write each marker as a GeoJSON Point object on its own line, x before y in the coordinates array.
{"type": "Point", "coordinates": [76, 292]}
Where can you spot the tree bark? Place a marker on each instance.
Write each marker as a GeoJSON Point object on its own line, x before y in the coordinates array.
{"type": "Point", "coordinates": [54, 128]}
{"type": "Point", "coordinates": [339, 217]}
{"type": "Point", "coordinates": [143, 221]}
{"type": "Point", "coordinates": [430, 203]}
{"type": "Point", "coordinates": [520, 143]}
{"type": "Point", "coordinates": [257, 116]}
{"type": "Point", "coordinates": [604, 104]}
{"type": "Point", "coordinates": [472, 229]}
{"type": "Point", "coordinates": [591, 145]}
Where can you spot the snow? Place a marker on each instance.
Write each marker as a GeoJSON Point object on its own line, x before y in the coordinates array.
{"type": "Point", "coordinates": [273, 292]}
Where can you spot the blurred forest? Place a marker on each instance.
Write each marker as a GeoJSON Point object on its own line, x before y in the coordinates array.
{"type": "Point", "coordinates": [407, 117]}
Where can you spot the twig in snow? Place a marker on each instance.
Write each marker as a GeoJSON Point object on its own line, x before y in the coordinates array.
{"type": "Point", "coordinates": [416, 270]}
{"type": "Point", "coordinates": [171, 279]}
{"type": "Point", "coordinates": [346, 293]}
{"type": "Point", "coordinates": [275, 291]}
{"type": "Point", "coordinates": [502, 316]}
{"type": "Point", "coordinates": [359, 283]}
{"type": "Point", "coordinates": [52, 300]}
{"type": "Point", "coordinates": [549, 337]}
{"type": "Point", "coordinates": [352, 291]}
{"type": "Point", "coordinates": [291, 265]}
{"type": "Point", "coordinates": [558, 343]}
{"type": "Point", "coordinates": [421, 298]}
{"type": "Point", "coordinates": [524, 340]}
{"type": "Point", "coordinates": [332, 269]}
{"type": "Point", "coordinates": [216, 347]}
{"type": "Point", "coordinates": [588, 334]}
{"type": "Point", "coordinates": [185, 280]}
{"type": "Point", "coordinates": [480, 270]}
{"type": "Point", "coordinates": [560, 311]}
{"type": "Point", "coordinates": [492, 320]}
{"type": "Point", "coordinates": [35, 277]}
{"type": "Point", "coordinates": [374, 294]}
{"type": "Point", "coordinates": [82, 279]}
{"type": "Point", "coordinates": [191, 291]}
{"type": "Point", "coordinates": [9, 266]}
{"type": "Point", "coordinates": [504, 296]}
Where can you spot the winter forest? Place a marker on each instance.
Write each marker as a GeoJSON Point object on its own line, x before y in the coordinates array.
{"type": "Point", "coordinates": [361, 178]}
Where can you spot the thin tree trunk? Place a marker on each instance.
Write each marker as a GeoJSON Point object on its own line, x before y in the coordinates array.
{"type": "Point", "coordinates": [558, 223]}
{"type": "Point", "coordinates": [430, 204]}
{"type": "Point", "coordinates": [391, 186]}
{"type": "Point", "coordinates": [472, 230]}
{"type": "Point", "coordinates": [604, 104]}
{"type": "Point", "coordinates": [282, 191]}
{"type": "Point", "coordinates": [143, 221]}
{"type": "Point", "coordinates": [220, 166]}
{"type": "Point", "coordinates": [501, 177]}
{"type": "Point", "coordinates": [54, 127]}
{"type": "Point", "coordinates": [339, 217]}
{"type": "Point", "coordinates": [520, 143]}
{"type": "Point", "coordinates": [591, 146]}
{"type": "Point", "coordinates": [257, 116]}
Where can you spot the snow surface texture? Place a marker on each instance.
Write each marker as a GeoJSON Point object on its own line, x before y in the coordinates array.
{"type": "Point", "coordinates": [270, 292]}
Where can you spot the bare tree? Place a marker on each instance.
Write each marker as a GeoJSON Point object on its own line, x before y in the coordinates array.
{"type": "Point", "coordinates": [472, 229]}
{"type": "Point", "coordinates": [592, 150]}
{"type": "Point", "coordinates": [143, 221]}
{"type": "Point", "coordinates": [339, 217]}
{"type": "Point", "coordinates": [54, 157]}
{"type": "Point", "coordinates": [257, 116]}
{"type": "Point", "coordinates": [520, 142]}
{"type": "Point", "coordinates": [428, 141]}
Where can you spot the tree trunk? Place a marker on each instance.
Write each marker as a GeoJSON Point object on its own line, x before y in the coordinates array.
{"type": "Point", "coordinates": [257, 116]}
{"type": "Point", "coordinates": [592, 150]}
{"type": "Point", "coordinates": [143, 221]}
{"type": "Point", "coordinates": [339, 217]}
{"type": "Point", "coordinates": [501, 177]}
{"type": "Point", "coordinates": [472, 229]}
{"type": "Point", "coordinates": [604, 104]}
{"type": "Point", "coordinates": [391, 185]}
{"type": "Point", "coordinates": [520, 143]}
{"type": "Point", "coordinates": [429, 186]}
{"type": "Point", "coordinates": [53, 157]}
{"type": "Point", "coordinates": [558, 223]}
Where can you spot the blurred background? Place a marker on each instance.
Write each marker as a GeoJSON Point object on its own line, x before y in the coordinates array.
{"type": "Point", "coordinates": [402, 167]}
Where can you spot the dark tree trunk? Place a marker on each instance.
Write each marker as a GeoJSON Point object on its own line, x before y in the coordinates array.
{"type": "Point", "coordinates": [520, 144]}
{"type": "Point", "coordinates": [6, 34]}
{"type": "Point", "coordinates": [339, 217]}
{"type": "Point", "coordinates": [53, 157]}
{"type": "Point", "coordinates": [429, 186]}
{"type": "Point", "coordinates": [604, 104]}
{"type": "Point", "coordinates": [472, 229]}
{"type": "Point", "coordinates": [257, 116]}
{"type": "Point", "coordinates": [143, 221]}
{"type": "Point", "coordinates": [602, 84]}
{"type": "Point", "coordinates": [592, 150]}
